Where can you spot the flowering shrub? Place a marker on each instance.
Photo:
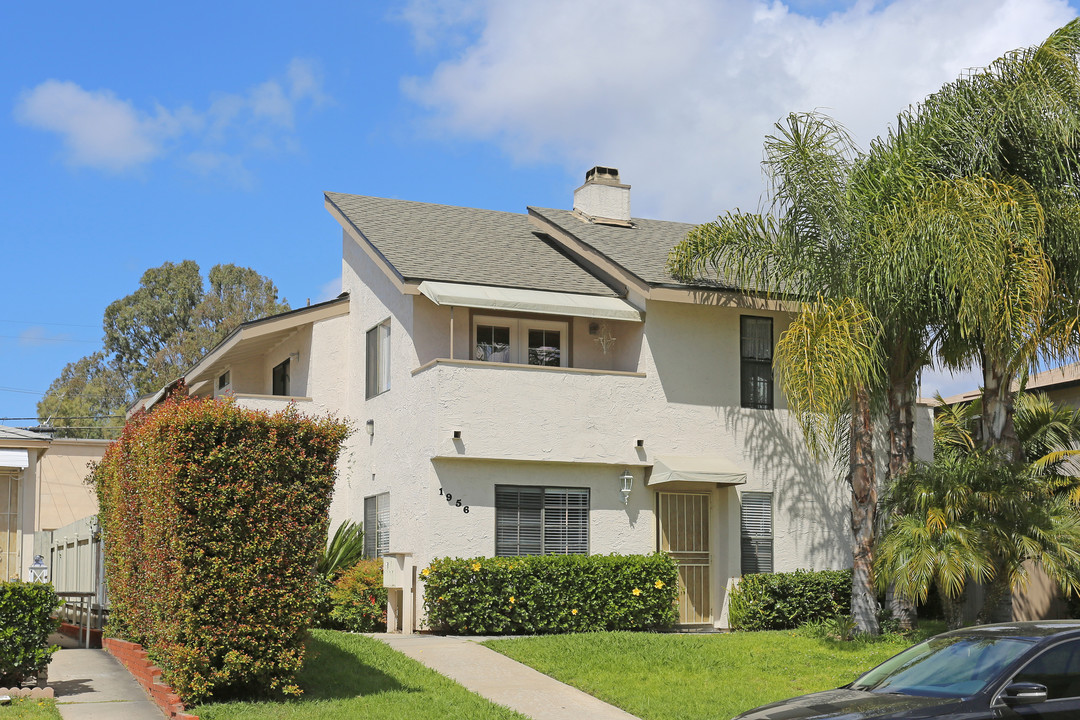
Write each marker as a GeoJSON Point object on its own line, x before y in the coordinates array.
{"type": "Point", "coordinates": [779, 601]}
{"type": "Point", "coordinates": [550, 593]}
{"type": "Point", "coordinates": [214, 518]}
{"type": "Point", "coordinates": [25, 624]}
{"type": "Point", "coordinates": [359, 598]}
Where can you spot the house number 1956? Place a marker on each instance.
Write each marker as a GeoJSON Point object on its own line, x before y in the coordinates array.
{"type": "Point", "coordinates": [456, 503]}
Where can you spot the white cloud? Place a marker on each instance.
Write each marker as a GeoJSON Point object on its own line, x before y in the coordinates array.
{"type": "Point", "coordinates": [679, 96]}
{"type": "Point", "coordinates": [98, 129]}
{"type": "Point", "coordinates": [101, 131]}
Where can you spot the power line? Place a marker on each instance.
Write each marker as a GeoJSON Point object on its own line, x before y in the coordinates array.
{"type": "Point", "coordinates": [34, 322]}
{"type": "Point", "coordinates": [20, 390]}
{"type": "Point", "coordinates": [70, 417]}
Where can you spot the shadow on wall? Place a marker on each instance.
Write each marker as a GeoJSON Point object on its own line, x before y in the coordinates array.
{"type": "Point", "coordinates": [814, 496]}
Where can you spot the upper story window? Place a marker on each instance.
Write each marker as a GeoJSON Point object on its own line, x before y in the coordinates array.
{"type": "Point", "coordinates": [223, 380]}
{"type": "Point", "coordinates": [281, 378]}
{"type": "Point", "coordinates": [378, 359]}
{"type": "Point", "coordinates": [756, 348]}
{"type": "Point", "coordinates": [525, 341]}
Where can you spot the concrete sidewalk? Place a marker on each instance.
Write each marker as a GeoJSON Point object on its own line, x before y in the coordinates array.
{"type": "Point", "coordinates": [502, 680]}
{"type": "Point", "coordinates": [92, 685]}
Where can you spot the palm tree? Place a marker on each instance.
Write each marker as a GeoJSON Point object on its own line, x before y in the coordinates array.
{"type": "Point", "coordinates": [975, 517]}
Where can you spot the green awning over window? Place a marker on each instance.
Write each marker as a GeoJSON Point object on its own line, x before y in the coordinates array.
{"type": "Point", "coordinates": [696, 468]}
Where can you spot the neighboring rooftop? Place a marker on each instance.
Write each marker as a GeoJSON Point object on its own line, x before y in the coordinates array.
{"type": "Point", "coordinates": [463, 245]}
{"type": "Point", "coordinates": [14, 433]}
{"type": "Point", "coordinates": [1054, 378]}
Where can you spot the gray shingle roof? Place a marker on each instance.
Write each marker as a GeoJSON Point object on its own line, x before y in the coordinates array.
{"type": "Point", "coordinates": [642, 249]}
{"type": "Point", "coordinates": [464, 245]}
{"type": "Point", "coordinates": [13, 433]}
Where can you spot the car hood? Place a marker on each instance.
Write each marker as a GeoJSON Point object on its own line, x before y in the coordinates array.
{"type": "Point", "coordinates": [845, 704]}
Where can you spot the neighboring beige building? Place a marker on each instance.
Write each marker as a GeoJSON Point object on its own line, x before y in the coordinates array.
{"type": "Point", "coordinates": [539, 383]}
{"type": "Point", "coordinates": [41, 488]}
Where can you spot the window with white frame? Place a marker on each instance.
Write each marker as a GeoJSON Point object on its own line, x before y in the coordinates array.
{"type": "Point", "coordinates": [377, 525]}
{"type": "Point", "coordinates": [541, 520]}
{"type": "Point", "coordinates": [378, 359]}
{"type": "Point", "coordinates": [9, 526]}
{"type": "Point", "coordinates": [526, 341]}
{"type": "Point", "coordinates": [757, 532]}
{"type": "Point", "coordinates": [756, 350]}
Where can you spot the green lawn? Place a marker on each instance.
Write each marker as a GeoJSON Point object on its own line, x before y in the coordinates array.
{"type": "Point", "coordinates": [681, 676]}
{"type": "Point", "coordinates": [351, 676]}
{"type": "Point", "coordinates": [27, 709]}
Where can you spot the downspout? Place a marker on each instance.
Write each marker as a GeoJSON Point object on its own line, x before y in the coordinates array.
{"type": "Point", "coordinates": [451, 332]}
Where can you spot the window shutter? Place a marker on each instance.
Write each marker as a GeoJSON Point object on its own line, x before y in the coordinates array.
{"type": "Point", "coordinates": [757, 533]}
{"type": "Point", "coordinates": [518, 512]}
{"type": "Point", "coordinates": [566, 521]}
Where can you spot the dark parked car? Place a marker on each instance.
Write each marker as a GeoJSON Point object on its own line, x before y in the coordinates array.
{"type": "Point", "coordinates": [1011, 670]}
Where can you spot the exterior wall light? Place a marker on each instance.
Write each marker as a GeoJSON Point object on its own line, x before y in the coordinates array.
{"type": "Point", "coordinates": [626, 484]}
{"type": "Point", "coordinates": [370, 426]}
{"type": "Point", "coordinates": [39, 571]}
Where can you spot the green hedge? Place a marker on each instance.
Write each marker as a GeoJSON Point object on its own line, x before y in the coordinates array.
{"type": "Point", "coordinates": [25, 624]}
{"type": "Point", "coordinates": [214, 518]}
{"type": "Point", "coordinates": [779, 601]}
{"type": "Point", "coordinates": [358, 598]}
{"type": "Point", "coordinates": [550, 594]}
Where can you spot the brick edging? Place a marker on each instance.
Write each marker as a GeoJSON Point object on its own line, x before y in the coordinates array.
{"type": "Point", "coordinates": [134, 658]}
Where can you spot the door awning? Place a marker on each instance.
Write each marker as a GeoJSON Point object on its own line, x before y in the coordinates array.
{"type": "Point", "coordinates": [14, 458]}
{"type": "Point", "coordinates": [696, 468]}
{"type": "Point", "coordinates": [534, 301]}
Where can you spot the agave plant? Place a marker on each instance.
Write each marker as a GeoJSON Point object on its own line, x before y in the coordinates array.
{"type": "Point", "coordinates": [344, 550]}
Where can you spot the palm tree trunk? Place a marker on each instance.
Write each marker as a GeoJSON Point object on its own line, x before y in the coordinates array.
{"type": "Point", "coordinates": [953, 609]}
{"type": "Point", "coordinates": [998, 399]}
{"type": "Point", "coordinates": [863, 508]}
{"type": "Point", "coordinates": [901, 454]}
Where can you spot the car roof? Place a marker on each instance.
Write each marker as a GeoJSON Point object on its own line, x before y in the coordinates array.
{"type": "Point", "coordinates": [1035, 629]}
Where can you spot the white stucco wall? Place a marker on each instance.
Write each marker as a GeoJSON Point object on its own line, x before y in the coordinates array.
{"type": "Point", "coordinates": [557, 427]}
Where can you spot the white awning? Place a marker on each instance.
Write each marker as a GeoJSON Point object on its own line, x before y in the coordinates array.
{"type": "Point", "coordinates": [534, 301]}
{"type": "Point", "coordinates": [14, 458]}
{"type": "Point", "coordinates": [696, 468]}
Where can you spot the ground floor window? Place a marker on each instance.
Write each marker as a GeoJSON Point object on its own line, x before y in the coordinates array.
{"type": "Point", "coordinates": [532, 520]}
{"type": "Point", "coordinates": [757, 533]}
{"type": "Point", "coordinates": [9, 527]}
{"type": "Point", "coordinates": [377, 525]}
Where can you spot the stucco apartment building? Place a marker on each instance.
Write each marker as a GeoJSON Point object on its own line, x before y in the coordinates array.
{"type": "Point", "coordinates": [538, 383]}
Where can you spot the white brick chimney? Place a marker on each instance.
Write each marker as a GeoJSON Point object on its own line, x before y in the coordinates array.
{"type": "Point", "coordinates": [603, 199]}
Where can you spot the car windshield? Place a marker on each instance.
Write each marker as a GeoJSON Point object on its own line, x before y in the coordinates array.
{"type": "Point", "coordinates": [944, 666]}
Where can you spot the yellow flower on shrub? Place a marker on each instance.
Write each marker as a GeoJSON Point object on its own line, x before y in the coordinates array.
{"type": "Point", "coordinates": [636, 591]}
{"type": "Point", "coordinates": [574, 611]}
{"type": "Point", "coordinates": [425, 572]}
{"type": "Point", "coordinates": [659, 584]}
{"type": "Point", "coordinates": [476, 567]}
{"type": "Point", "coordinates": [511, 599]}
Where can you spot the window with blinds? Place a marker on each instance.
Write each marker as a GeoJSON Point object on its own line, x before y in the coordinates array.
{"type": "Point", "coordinates": [378, 359]}
{"type": "Point", "coordinates": [377, 525]}
{"type": "Point", "coordinates": [756, 349]}
{"type": "Point", "coordinates": [757, 533]}
{"type": "Point", "coordinates": [541, 521]}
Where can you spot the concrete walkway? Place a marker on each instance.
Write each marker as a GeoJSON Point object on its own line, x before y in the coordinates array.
{"type": "Point", "coordinates": [502, 680]}
{"type": "Point", "coordinates": [92, 685]}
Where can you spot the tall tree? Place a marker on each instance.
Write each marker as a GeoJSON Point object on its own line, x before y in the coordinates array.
{"type": "Point", "coordinates": [152, 336]}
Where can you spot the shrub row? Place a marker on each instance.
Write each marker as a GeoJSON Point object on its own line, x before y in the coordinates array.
{"type": "Point", "coordinates": [550, 594]}
{"type": "Point", "coordinates": [25, 624]}
{"type": "Point", "coordinates": [779, 601]}
{"type": "Point", "coordinates": [214, 518]}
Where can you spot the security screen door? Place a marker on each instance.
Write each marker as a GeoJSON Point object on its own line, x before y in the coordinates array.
{"type": "Point", "coordinates": [684, 533]}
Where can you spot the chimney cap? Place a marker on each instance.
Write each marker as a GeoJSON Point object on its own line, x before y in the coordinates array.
{"type": "Point", "coordinates": [603, 175]}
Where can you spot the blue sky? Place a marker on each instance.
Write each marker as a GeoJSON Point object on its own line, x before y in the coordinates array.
{"type": "Point", "coordinates": [136, 133]}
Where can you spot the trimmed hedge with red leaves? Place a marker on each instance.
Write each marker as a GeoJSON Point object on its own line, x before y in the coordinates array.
{"type": "Point", "coordinates": [214, 517]}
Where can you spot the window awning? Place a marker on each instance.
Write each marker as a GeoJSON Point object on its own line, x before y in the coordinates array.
{"type": "Point", "coordinates": [534, 301]}
{"type": "Point", "coordinates": [14, 458]}
{"type": "Point", "coordinates": [696, 468]}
